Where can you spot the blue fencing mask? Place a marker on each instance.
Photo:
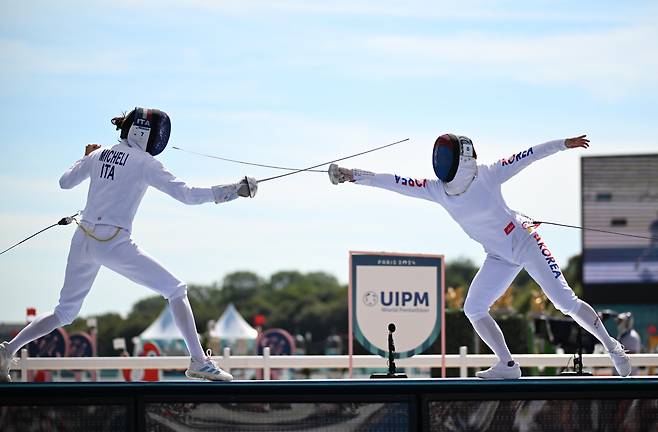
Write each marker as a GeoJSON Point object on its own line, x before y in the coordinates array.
{"type": "Point", "coordinates": [448, 149]}
{"type": "Point", "coordinates": [147, 129]}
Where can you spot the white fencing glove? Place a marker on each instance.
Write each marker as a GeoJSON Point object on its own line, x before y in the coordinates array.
{"type": "Point", "coordinates": [341, 175]}
{"type": "Point", "coordinates": [224, 193]}
{"type": "Point", "coordinates": [248, 187]}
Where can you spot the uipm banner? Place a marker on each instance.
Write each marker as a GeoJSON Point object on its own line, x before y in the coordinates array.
{"type": "Point", "coordinates": [407, 290]}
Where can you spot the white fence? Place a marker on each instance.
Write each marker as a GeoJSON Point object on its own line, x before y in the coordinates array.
{"type": "Point", "coordinates": [266, 363]}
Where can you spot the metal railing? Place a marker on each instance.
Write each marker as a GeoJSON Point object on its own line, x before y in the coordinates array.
{"type": "Point", "coordinates": [266, 362]}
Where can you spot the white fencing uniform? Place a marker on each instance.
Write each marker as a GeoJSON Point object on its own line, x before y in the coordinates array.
{"type": "Point", "coordinates": [121, 255]}
{"type": "Point", "coordinates": [119, 177]}
{"type": "Point", "coordinates": [505, 235]}
{"type": "Point", "coordinates": [474, 200]}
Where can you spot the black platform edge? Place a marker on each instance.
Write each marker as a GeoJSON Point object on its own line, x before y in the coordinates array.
{"type": "Point", "coordinates": [417, 394]}
{"type": "Point", "coordinates": [318, 390]}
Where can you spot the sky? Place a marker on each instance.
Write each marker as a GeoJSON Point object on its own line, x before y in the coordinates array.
{"type": "Point", "coordinates": [296, 83]}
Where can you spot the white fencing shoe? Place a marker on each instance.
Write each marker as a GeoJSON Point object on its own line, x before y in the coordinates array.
{"type": "Point", "coordinates": [340, 175]}
{"type": "Point", "coordinates": [501, 370]}
{"type": "Point", "coordinates": [207, 369]}
{"type": "Point", "coordinates": [6, 359]}
{"type": "Point", "coordinates": [620, 360]}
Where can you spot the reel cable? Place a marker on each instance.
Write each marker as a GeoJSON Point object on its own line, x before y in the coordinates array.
{"type": "Point", "coordinates": [537, 223]}
{"type": "Point", "coordinates": [243, 162]}
{"type": "Point", "coordinates": [63, 221]}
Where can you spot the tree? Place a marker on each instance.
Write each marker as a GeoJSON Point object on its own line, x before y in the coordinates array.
{"type": "Point", "coordinates": [110, 326]}
{"type": "Point", "coordinates": [573, 273]}
{"type": "Point", "coordinates": [240, 286]}
{"type": "Point", "coordinates": [460, 272]}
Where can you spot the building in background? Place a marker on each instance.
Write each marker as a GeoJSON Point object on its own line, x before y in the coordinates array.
{"type": "Point", "coordinates": [620, 194]}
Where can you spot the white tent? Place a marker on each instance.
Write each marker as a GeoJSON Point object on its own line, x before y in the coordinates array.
{"type": "Point", "coordinates": [164, 333]}
{"type": "Point", "coordinates": [232, 327]}
{"type": "Point", "coordinates": [231, 330]}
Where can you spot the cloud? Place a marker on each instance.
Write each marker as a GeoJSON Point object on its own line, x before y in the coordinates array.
{"type": "Point", "coordinates": [471, 10]}
{"type": "Point", "coordinates": [608, 63]}
{"type": "Point", "coordinates": [20, 56]}
{"type": "Point", "coordinates": [610, 59]}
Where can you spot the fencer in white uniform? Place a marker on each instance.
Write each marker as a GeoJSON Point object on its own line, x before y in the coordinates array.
{"type": "Point", "coordinates": [119, 176]}
{"type": "Point", "coordinates": [471, 194]}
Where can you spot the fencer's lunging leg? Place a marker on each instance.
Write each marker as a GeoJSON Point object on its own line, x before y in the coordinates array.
{"type": "Point", "coordinates": [200, 366]}
{"type": "Point", "coordinates": [491, 281]}
{"type": "Point", "coordinates": [131, 261]}
{"type": "Point", "coordinates": [489, 331]}
{"type": "Point", "coordinates": [184, 318]}
{"type": "Point", "coordinates": [40, 326]}
{"type": "Point", "coordinates": [134, 263]}
{"type": "Point", "coordinates": [81, 270]}
{"type": "Point", "coordinates": [588, 319]}
{"type": "Point", "coordinates": [541, 265]}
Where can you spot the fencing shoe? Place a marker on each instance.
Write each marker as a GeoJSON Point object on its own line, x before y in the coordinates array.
{"type": "Point", "coordinates": [501, 370]}
{"type": "Point", "coordinates": [6, 359]}
{"type": "Point", "coordinates": [620, 360]}
{"type": "Point", "coordinates": [207, 369]}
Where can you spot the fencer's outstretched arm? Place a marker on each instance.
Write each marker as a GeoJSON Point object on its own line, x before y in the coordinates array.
{"type": "Point", "coordinates": [159, 177]}
{"type": "Point", "coordinates": [417, 188]}
{"type": "Point", "coordinates": [507, 168]}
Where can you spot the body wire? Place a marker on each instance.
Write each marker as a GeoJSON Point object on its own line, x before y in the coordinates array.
{"type": "Point", "coordinates": [536, 222]}
{"type": "Point", "coordinates": [62, 221]}
{"type": "Point", "coordinates": [243, 162]}
{"type": "Point", "coordinates": [92, 235]}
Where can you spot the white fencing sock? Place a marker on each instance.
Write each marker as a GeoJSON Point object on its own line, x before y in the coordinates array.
{"type": "Point", "coordinates": [184, 318]}
{"type": "Point", "coordinates": [588, 319]}
{"type": "Point", "coordinates": [40, 326]}
{"type": "Point", "coordinates": [490, 333]}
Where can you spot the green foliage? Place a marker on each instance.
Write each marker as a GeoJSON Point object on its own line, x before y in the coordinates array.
{"type": "Point", "coordinates": [460, 272]}
{"type": "Point", "coordinates": [574, 274]}
{"type": "Point", "coordinates": [110, 326]}
{"type": "Point", "coordinates": [459, 332]}
{"type": "Point", "coordinates": [299, 303]}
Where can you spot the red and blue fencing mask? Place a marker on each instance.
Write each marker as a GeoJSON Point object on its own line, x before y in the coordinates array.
{"type": "Point", "coordinates": [448, 149]}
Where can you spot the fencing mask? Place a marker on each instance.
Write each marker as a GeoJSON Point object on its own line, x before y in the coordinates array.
{"type": "Point", "coordinates": [449, 149]}
{"type": "Point", "coordinates": [147, 129]}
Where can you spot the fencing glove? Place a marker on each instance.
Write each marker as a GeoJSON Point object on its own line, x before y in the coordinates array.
{"type": "Point", "coordinates": [341, 175]}
{"type": "Point", "coordinates": [248, 187]}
